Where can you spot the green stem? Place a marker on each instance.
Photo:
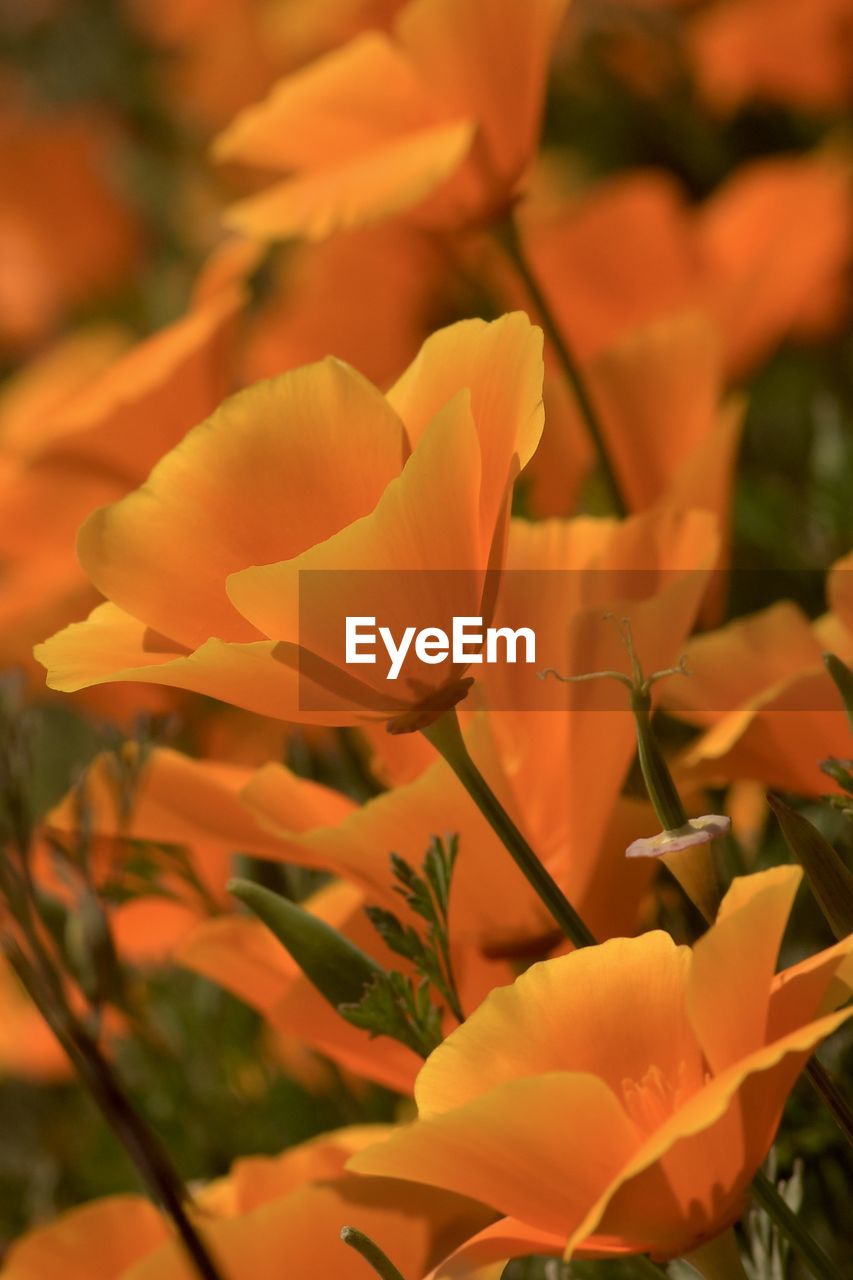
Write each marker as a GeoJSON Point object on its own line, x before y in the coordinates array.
{"type": "Point", "coordinates": [807, 1250]}
{"type": "Point", "coordinates": [510, 241]}
{"type": "Point", "coordinates": [446, 736]}
{"type": "Point", "coordinates": [662, 790]}
{"type": "Point", "coordinates": [370, 1251]}
{"type": "Point", "coordinates": [96, 1073]}
{"type": "Point", "coordinates": [836, 1102]}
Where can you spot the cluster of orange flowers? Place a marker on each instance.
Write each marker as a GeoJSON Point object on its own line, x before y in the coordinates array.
{"type": "Point", "coordinates": [309, 413]}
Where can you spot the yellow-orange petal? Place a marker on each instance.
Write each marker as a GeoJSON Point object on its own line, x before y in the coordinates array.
{"type": "Point", "coordinates": [278, 467]}
{"type": "Point", "coordinates": [533, 1026]}
{"type": "Point", "coordinates": [385, 181]}
{"type": "Point", "coordinates": [425, 523]}
{"type": "Point", "coordinates": [739, 952]}
{"type": "Point", "coordinates": [515, 1148]}
{"type": "Point", "coordinates": [503, 90]}
{"type": "Point", "coordinates": [501, 364]}
{"type": "Point", "coordinates": [356, 98]}
{"type": "Point", "coordinates": [97, 1241]}
{"type": "Point", "coordinates": [298, 1235]}
{"type": "Point", "coordinates": [688, 1180]}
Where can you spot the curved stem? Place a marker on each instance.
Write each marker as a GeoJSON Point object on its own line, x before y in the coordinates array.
{"type": "Point", "coordinates": [836, 1102]}
{"type": "Point", "coordinates": [510, 241]}
{"type": "Point", "coordinates": [446, 736]}
{"type": "Point", "coordinates": [96, 1073]}
{"type": "Point", "coordinates": [370, 1251]}
{"type": "Point", "coordinates": [807, 1250]}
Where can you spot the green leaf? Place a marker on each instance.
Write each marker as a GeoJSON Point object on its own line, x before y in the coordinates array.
{"type": "Point", "coordinates": [338, 969]}
{"type": "Point", "coordinates": [392, 1006]}
{"type": "Point", "coordinates": [830, 880]}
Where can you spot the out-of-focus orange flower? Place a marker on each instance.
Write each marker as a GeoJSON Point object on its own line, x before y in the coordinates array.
{"type": "Point", "coordinates": [28, 1047]}
{"type": "Point", "coordinates": [633, 250]}
{"type": "Point", "coordinates": [267, 1215]}
{"type": "Point", "coordinates": [305, 472]}
{"type": "Point", "coordinates": [66, 235]}
{"type": "Point", "coordinates": [80, 427]}
{"type": "Point", "coordinates": [316, 304]}
{"type": "Point", "coordinates": [639, 1055]}
{"type": "Point", "coordinates": [759, 687]}
{"type": "Point", "coordinates": [440, 118]}
{"type": "Point", "coordinates": [797, 52]}
{"type": "Point", "coordinates": [658, 393]}
{"type": "Point", "coordinates": [222, 56]}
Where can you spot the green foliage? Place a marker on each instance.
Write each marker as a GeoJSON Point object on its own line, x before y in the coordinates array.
{"type": "Point", "coordinates": [398, 1005]}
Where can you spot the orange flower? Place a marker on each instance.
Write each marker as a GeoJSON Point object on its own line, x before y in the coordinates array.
{"type": "Point", "coordinates": [305, 472]}
{"type": "Point", "coordinates": [317, 303]}
{"type": "Point", "coordinates": [797, 52]}
{"type": "Point", "coordinates": [634, 249]}
{"type": "Point", "coordinates": [658, 392]}
{"type": "Point", "coordinates": [268, 1216]}
{"type": "Point", "coordinates": [224, 53]}
{"type": "Point", "coordinates": [441, 118]}
{"type": "Point", "coordinates": [66, 236]}
{"type": "Point", "coordinates": [759, 687]}
{"type": "Point", "coordinates": [621, 1098]}
{"type": "Point", "coordinates": [80, 427]}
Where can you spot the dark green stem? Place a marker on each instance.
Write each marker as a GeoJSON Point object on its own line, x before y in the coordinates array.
{"type": "Point", "coordinates": [98, 1076]}
{"type": "Point", "coordinates": [835, 1100]}
{"type": "Point", "coordinates": [372, 1254]}
{"type": "Point", "coordinates": [663, 792]}
{"type": "Point", "coordinates": [446, 736]}
{"type": "Point", "coordinates": [511, 242]}
{"type": "Point", "coordinates": [807, 1250]}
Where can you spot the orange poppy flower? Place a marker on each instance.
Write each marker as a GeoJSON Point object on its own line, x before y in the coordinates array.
{"type": "Point", "coordinates": [658, 392]}
{"type": "Point", "coordinates": [316, 303]}
{"type": "Point", "coordinates": [305, 472]}
{"type": "Point", "coordinates": [440, 118]}
{"type": "Point", "coordinates": [80, 427]}
{"type": "Point", "coordinates": [633, 250]}
{"type": "Point", "coordinates": [670, 1087]}
{"type": "Point", "coordinates": [759, 687]}
{"type": "Point", "coordinates": [797, 52]}
{"type": "Point", "coordinates": [268, 1214]}
{"type": "Point", "coordinates": [223, 56]}
{"type": "Point", "coordinates": [66, 234]}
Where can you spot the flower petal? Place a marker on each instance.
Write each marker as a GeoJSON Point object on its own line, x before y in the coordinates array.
{"type": "Point", "coordinates": [278, 467]}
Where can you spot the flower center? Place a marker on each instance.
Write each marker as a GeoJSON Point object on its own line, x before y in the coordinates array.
{"type": "Point", "coordinates": [652, 1099]}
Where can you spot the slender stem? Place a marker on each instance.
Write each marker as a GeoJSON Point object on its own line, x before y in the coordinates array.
{"type": "Point", "coordinates": [835, 1100]}
{"type": "Point", "coordinates": [370, 1251]}
{"type": "Point", "coordinates": [97, 1074]}
{"type": "Point", "coordinates": [446, 736]}
{"type": "Point", "coordinates": [807, 1250]}
{"type": "Point", "coordinates": [510, 241]}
